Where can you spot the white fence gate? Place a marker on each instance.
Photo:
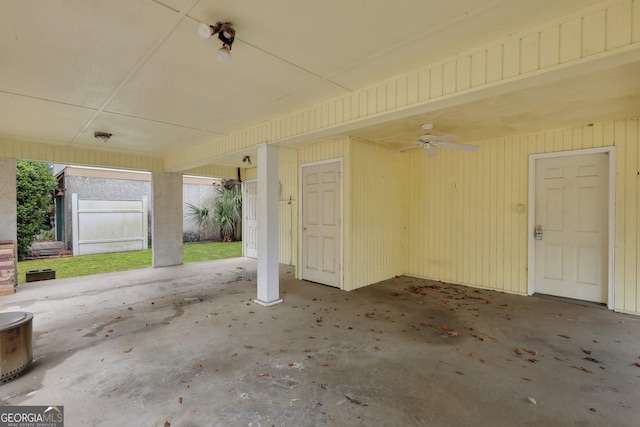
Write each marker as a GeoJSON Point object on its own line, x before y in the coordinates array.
{"type": "Point", "coordinates": [101, 226]}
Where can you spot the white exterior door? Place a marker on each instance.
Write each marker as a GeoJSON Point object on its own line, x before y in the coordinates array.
{"type": "Point", "coordinates": [250, 232]}
{"type": "Point", "coordinates": [321, 223]}
{"type": "Point", "coordinates": [571, 210]}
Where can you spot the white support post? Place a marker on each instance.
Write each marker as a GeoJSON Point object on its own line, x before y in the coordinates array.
{"type": "Point", "coordinates": [268, 226]}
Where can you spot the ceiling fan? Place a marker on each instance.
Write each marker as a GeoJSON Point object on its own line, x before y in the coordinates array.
{"type": "Point", "coordinates": [429, 143]}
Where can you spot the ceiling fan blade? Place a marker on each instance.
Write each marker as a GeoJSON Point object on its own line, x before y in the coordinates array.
{"type": "Point", "coordinates": [441, 138]}
{"type": "Point", "coordinates": [430, 150]}
{"type": "Point", "coordinates": [411, 147]}
{"type": "Point", "coordinates": [462, 147]}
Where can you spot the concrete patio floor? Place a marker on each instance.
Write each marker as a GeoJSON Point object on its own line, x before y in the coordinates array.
{"type": "Point", "coordinates": [186, 346]}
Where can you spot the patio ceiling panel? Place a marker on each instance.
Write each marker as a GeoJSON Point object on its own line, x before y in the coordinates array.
{"type": "Point", "coordinates": [139, 71]}
{"type": "Point", "coordinates": [74, 52]}
{"type": "Point", "coordinates": [183, 83]}
{"type": "Point", "coordinates": [150, 136]}
{"type": "Point", "coordinates": [38, 120]}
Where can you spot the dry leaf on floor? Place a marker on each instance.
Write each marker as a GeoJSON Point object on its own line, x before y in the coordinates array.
{"type": "Point", "coordinates": [527, 379]}
{"type": "Point", "coordinates": [532, 400]}
{"type": "Point", "coordinates": [247, 346]}
{"type": "Point", "coordinates": [585, 351]}
{"type": "Point", "coordinates": [180, 400]}
{"type": "Point", "coordinates": [531, 352]}
{"type": "Point", "coordinates": [533, 360]}
{"type": "Point", "coordinates": [586, 370]}
{"type": "Point", "coordinates": [518, 351]}
{"type": "Point", "coordinates": [199, 366]}
{"type": "Point", "coordinates": [110, 330]}
{"type": "Point", "coordinates": [234, 354]}
{"type": "Point", "coordinates": [453, 334]}
{"type": "Point", "coordinates": [264, 375]}
{"type": "Point", "coordinates": [128, 350]}
{"type": "Point", "coordinates": [167, 424]}
{"type": "Point", "coordinates": [564, 336]}
{"type": "Point", "coordinates": [459, 373]}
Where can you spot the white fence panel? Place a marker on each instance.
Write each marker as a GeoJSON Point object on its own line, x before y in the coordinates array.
{"type": "Point", "coordinates": [101, 226]}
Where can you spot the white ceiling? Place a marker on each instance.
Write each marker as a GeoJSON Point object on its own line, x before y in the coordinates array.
{"type": "Point", "coordinates": [137, 69]}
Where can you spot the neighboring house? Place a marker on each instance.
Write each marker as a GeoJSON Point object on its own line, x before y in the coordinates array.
{"type": "Point", "coordinates": [120, 200]}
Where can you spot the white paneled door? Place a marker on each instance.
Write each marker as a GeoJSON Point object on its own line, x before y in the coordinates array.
{"type": "Point", "coordinates": [571, 211]}
{"type": "Point", "coordinates": [250, 221]}
{"type": "Point", "coordinates": [321, 219]}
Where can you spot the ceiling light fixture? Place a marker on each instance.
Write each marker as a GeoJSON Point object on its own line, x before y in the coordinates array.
{"type": "Point", "coordinates": [226, 34]}
{"type": "Point", "coordinates": [246, 160]}
{"type": "Point", "coordinates": [102, 136]}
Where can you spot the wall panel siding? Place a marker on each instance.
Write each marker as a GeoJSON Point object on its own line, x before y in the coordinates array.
{"type": "Point", "coordinates": [373, 228]}
{"type": "Point", "coordinates": [471, 200]}
{"type": "Point", "coordinates": [75, 156]}
{"type": "Point", "coordinates": [288, 206]}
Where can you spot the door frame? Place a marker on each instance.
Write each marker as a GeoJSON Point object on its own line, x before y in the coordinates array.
{"type": "Point", "coordinates": [341, 208]}
{"type": "Point", "coordinates": [611, 215]}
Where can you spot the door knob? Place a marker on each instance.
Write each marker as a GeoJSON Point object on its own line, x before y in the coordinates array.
{"type": "Point", "coordinates": [538, 232]}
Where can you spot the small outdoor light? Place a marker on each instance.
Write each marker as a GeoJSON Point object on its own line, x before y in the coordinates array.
{"type": "Point", "coordinates": [226, 34]}
{"type": "Point", "coordinates": [102, 136]}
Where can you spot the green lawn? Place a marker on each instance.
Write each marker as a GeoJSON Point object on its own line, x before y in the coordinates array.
{"type": "Point", "coordinates": [104, 263]}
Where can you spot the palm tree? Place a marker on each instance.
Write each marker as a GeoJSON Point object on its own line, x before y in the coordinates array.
{"type": "Point", "coordinates": [225, 215]}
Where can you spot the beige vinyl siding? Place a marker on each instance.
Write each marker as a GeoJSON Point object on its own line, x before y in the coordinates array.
{"type": "Point", "coordinates": [77, 156]}
{"type": "Point", "coordinates": [288, 206]}
{"type": "Point", "coordinates": [373, 232]}
{"type": "Point", "coordinates": [463, 215]}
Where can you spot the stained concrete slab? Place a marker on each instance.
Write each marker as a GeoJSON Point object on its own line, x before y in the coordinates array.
{"type": "Point", "coordinates": [186, 346]}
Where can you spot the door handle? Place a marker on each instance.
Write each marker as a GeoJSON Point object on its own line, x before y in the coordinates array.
{"type": "Point", "coordinates": [304, 228]}
{"type": "Point", "coordinates": [537, 233]}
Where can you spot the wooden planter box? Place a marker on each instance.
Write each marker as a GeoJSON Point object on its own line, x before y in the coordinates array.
{"type": "Point", "coordinates": [8, 267]}
{"type": "Point", "coordinates": [37, 275]}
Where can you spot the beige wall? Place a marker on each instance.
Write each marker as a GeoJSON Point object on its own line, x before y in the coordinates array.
{"type": "Point", "coordinates": [463, 209]}
{"type": "Point", "coordinates": [455, 217]}
{"type": "Point", "coordinates": [374, 241]}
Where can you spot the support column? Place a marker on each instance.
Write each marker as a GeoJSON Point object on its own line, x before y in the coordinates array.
{"type": "Point", "coordinates": [8, 206]}
{"type": "Point", "coordinates": [268, 226]}
{"type": "Point", "coordinates": [166, 222]}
